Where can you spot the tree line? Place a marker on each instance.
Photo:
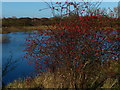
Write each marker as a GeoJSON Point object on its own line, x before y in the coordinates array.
{"type": "Point", "coordinates": [26, 21]}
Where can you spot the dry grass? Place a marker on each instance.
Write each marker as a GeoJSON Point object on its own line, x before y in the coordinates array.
{"type": "Point", "coordinates": [65, 79]}
{"type": "Point", "coordinates": [31, 28]}
{"type": "Point", "coordinates": [46, 80]}
{"type": "Point", "coordinates": [25, 29]}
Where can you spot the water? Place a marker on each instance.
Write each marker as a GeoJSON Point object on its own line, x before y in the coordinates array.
{"type": "Point", "coordinates": [12, 49]}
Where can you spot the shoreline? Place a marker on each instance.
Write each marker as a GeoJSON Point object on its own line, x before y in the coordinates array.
{"type": "Point", "coordinates": [5, 30]}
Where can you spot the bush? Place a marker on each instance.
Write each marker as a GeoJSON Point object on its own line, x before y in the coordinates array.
{"type": "Point", "coordinates": [84, 47]}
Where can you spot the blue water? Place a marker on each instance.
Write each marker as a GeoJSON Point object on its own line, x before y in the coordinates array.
{"type": "Point", "coordinates": [13, 50]}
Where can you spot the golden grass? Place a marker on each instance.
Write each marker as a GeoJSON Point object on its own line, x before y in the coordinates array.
{"type": "Point", "coordinates": [25, 29]}
{"type": "Point", "coordinates": [46, 80]}
{"type": "Point", "coordinates": [64, 79]}
{"type": "Point", "coordinates": [31, 28]}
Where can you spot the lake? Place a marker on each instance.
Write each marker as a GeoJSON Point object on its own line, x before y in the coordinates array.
{"type": "Point", "coordinates": [12, 49]}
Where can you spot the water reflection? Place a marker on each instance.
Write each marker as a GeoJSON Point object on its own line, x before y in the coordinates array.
{"type": "Point", "coordinates": [12, 50]}
{"type": "Point", "coordinates": [5, 39]}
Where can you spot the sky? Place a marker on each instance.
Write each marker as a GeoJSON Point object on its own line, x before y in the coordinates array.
{"type": "Point", "coordinates": [25, 9]}
{"type": "Point", "coordinates": [31, 9]}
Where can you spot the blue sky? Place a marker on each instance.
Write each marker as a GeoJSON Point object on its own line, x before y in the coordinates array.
{"type": "Point", "coordinates": [24, 9]}
{"type": "Point", "coordinates": [31, 9]}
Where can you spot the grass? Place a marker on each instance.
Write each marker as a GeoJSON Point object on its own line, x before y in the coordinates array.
{"type": "Point", "coordinates": [50, 80]}
{"type": "Point", "coordinates": [66, 79]}
{"type": "Point", "coordinates": [46, 80]}
{"type": "Point", "coordinates": [30, 28]}
{"type": "Point", "coordinates": [24, 28]}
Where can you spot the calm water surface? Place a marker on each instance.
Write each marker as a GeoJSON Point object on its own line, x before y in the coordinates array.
{"type": "Point", "coordinates": [12, 50]}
